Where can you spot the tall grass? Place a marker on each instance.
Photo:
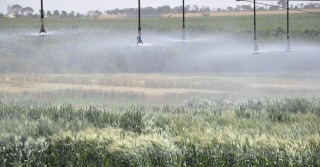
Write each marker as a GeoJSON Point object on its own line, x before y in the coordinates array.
{"type": "Point", "coordinates": [269, 132]}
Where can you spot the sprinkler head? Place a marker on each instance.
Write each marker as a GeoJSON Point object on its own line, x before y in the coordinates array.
{"type": "Point", "coordinates": [256, 50]}
{"type": "Point", "coordinates": [184, 35]}
{"type": "Point", "coordinates": [42, 29]}
{"type": "Point", "coordinates": [139, 39]}
{"type": "Point", "coordinates": [288, 49]}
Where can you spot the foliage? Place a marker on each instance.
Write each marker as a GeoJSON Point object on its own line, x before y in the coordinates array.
{"type": "Point", "coordinates": [247, 134]}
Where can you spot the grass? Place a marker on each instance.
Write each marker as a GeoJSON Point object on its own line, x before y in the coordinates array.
{"type": "Point", "coordinates": [270, 132]}
{"type": "Point", "coordinates": [223, 24]}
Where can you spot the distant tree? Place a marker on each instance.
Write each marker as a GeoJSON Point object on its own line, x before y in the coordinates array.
{"type": "Point", "coordinates": [147, 10]}
{"type": "Point", "coordinates": [116, 11]}
{"type": "Point", "coordinates": [163, 9]}
{"type": "Point", "coordinates": [132, 11]}
{"type": "Point", "coordinates": [16, 9]}
{"type": "Point", "coordinates": [64, 14]}
{"type": "Point", "coordinates": [273, 8]}
{"type": "Point", "coordinates": [71, 14]}
{"type": "Point", "coordinates": [56, 13]}
{"type": "Point", "coordinates": [97, 13]}
{"type": "Point", "coordinates": [1, 15]}
{"type": "Point", "coordinates": [246, 7]}
{"type": "Point", "coordinates": [230, 8]}
{"type": "Point", "coordinates": [238, 8]}
{"type": "Point", "coordinates": [204, 9]}
{"type": "Point", "coordinates": [310, 6]}
{"type": "Point", "coordinates": [90, 13]}
{"type": "Point", "coordinates": [49, 13]}
{"type": "Point", "coordinates": [207, 9]}
{"type": "Point", "coordinates": [78, 15]}
{"type": "Point", "coordinates": [187, 8]}
{"type": "Point", "coordinates": [177, 9]}
{"type": "Point", "coordinates": [282, 3]}
{"type": "Point", "coordinates": [301, 5]}
{"type": "Point", "coordinates": [196, 8]}
{"type": "Point", "coordinates": [27, 10]}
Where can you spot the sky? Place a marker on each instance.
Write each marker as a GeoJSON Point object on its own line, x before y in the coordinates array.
{"type": "Point", "coordinates": [84, 6]}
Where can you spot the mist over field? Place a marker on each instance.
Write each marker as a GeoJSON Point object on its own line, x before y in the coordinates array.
{"type": "Point", "coordinates": [99, 51]}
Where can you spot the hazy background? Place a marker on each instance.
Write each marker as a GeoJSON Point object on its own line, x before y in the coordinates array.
{"type": "Point", "coordinates": [84, 6]}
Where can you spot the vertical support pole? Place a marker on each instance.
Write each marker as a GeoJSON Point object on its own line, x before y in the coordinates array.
{"type": "Point", "coordinates": [42, 29]}
{"type": "Point", "coordinates": [255, 50]}
{"type": "Point", "coordinates": [288, 33]}
{"type": "Point", "coordinates": [183, 22]}
{"type": "Point", "coordinates": [139, 26]}
{"type": "Point", "coordinates": [183, 13]}
{"type": "Point", "coordinates": [42, 12]}
{"type": "Point", "coordinates": [139, 16]}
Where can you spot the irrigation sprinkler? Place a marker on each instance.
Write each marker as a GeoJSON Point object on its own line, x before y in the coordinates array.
{"type": "Point", "coordinates": [288, 48]}
{"type": "Point", "coordinates": [139, 39]}
{"type": "Point", "coordinates": [42, 30]}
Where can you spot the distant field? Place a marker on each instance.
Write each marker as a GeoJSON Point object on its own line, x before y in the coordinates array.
{"type": "Point", "coordinates": [159, 88]}
{"type": "Point", "coordinates": [239, 13]}
{"type": "Point", "coordinates": [222, 13]}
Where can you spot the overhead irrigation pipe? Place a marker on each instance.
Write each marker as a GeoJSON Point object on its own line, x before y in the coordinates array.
{"type": "Point", "coordinates": [280, 7]}
{"type": "Point", "coordinates": [42, 30]}
{"type": "Point", "coordinates": [139, 26]}
{"type": "Point", "coordinates": [288, 49]}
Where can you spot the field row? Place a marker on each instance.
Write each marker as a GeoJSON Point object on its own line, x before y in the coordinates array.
{"type": "Point", "coordinates": [160, 88]}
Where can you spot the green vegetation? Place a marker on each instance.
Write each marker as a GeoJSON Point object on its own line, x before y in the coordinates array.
{"type": "Point", "coordinates": [301, 25]}
{"type": "Point", "coordinates": [271, 132]}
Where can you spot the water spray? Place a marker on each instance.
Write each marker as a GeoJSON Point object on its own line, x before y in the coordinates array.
{"type": "Point", "coordinates": [42, 30]}
{"type": "Point", "coordinates": [139, 43]}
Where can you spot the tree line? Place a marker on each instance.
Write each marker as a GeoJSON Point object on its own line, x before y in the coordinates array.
{"type": "Point", "coordinates": [19, 11]}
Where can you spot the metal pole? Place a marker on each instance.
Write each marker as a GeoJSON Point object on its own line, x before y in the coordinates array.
{"type": "Point", "coordinates": [288, 19]}
{"type": "Point", "coordinates": [255, 50]}
{"type": "Point", "coordinates": [288, 35]}
{"type": "Point", "coordinates": [42, 29]}
{"type": "Point", "coordinates": [183, 22]}
{"type": "Point", "coordinates": [139, 28]}
{"type": "Point", "coordinates": [139, 17]}
{"type": "Point", "coordinates": [42, 13]}
{"type": "Point", "coordinates": [183, 11]}
{"type": "Point", "coordinates": [254, 15]}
